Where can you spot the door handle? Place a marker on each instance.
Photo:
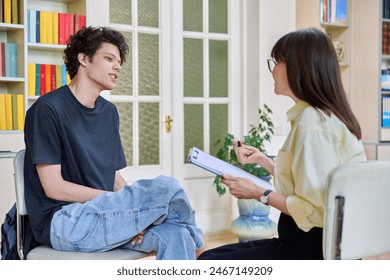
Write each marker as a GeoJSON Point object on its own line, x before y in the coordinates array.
{"type": "Point", "coordinates": [168, 122]}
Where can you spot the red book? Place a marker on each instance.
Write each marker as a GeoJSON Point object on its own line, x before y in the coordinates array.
{"type": "Point", "coordinates": [76, 23]}
{"type": "Point", "coordinates": [53, 79]}
{"type": "Point", "coordinates": [71, 24]}
{"type": "Point", "coordinates": [61, 29]}
{"type": "Point", "coordinates": [67, 27]}
{"type": "Point", "coordinates": [42, 81]}
{"type": "Point", "coordinates": [83, 21]}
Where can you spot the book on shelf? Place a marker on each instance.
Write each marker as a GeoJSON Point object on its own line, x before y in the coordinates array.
{"type": "Point", "coordinates": [1, 11]}
{"type": "Point", "coordinates": [2, 59]}
{"type": "Point", "coordinates": [334, 11]}
{"type": "Point", "coordinates": [9, 53]}
{"type": "Point", "coordinates": [2, 112]}
{"type": "Point", "coordinates": [386, 111]}
{"type": "Point", "coordinates": [37, 79]}
{"type": "Point", "coordinates": [31, 79]}
{"type": "Point", "coordinates": [31, 16]}
{"type": "Point", "coordinates": [14, 60]}
{"type": "Point", "coordinates": [8, 111]}
{"type": "Point", "coordinates": [43, 78]}
{"type": "Point", "coordinates": [48, 27]}
{"type": "Point", "coordinates": [7, 11]}
{"type": "Point", "coordinates": [14, 11]}
{"type": "Point", "coordinates": [37, 26]}
{"type": "Point", "coordinates": [11, 111]}
{"type": "Point", "coordinates": [55, 28]}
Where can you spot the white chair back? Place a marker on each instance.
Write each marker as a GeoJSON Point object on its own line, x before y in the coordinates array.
{"type": "Point", "coordinates": [357, 211]}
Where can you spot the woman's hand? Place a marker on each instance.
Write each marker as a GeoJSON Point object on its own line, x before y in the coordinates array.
{"type": "Point", "coordinates": [247, 154]}
{"type": "Point", "coordinates": [242, 187]}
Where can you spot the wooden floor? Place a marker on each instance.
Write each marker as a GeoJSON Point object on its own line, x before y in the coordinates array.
{"type": "Point", "coordinates": [212, 241]}
{"type": "Point", "coordinates": [222, 238]}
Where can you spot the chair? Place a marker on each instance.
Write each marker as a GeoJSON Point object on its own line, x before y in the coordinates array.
{"type": "Point", "coordinates": [45, 252]}
{"type": "Point", "coordinates": [357, 211]}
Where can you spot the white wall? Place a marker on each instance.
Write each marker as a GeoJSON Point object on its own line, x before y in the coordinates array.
{"type": "Point", "coordinates": [277, 17]}
{"type": "Point", "coordinates": [274, 19]}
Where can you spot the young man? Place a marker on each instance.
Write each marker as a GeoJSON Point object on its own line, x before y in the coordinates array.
{"type": "Point", "coordinates": [75, 195]}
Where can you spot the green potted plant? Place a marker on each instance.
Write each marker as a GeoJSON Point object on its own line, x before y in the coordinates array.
{"type": "Point", "coordinates": [257, 136]}
{"type": "Point", "coordinates": [253, 222]}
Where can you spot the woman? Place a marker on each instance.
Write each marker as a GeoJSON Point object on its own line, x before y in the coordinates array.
{"type": "Point", "coordinates": [324, 134]}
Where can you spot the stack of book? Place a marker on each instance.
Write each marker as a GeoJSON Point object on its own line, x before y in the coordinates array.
{"type": "Point", "coordinates": [43, 78]}
{"type": "Point", "coordinates": [8, 59]}
{"type": "Point", "coordinates": [334, 11]}
{"type": "Point", "coordinates": [11, 111]}
{"type": "Point", "coordinates": [52, 27]}
{"type": "Point", "coordinates": [9, 11]}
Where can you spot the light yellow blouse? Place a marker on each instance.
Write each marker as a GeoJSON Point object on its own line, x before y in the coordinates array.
{"type": "Point", "coordinates": [316, 144]}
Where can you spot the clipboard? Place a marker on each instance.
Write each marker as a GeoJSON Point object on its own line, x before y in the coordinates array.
{"type": "Point", "coordinates": [220, 167]}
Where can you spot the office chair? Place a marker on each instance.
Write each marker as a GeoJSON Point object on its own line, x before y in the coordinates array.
{"type": "Point", "coordinates": [357, 211]}
{"type": "Point", "coordinates": [45, 252]}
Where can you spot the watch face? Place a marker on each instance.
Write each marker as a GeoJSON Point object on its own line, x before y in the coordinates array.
{"type": "Point", "coordinates": [264, 199]}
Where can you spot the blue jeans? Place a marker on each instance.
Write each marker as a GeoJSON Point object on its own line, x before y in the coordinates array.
{"type": "Point", "coordinates": [112, 219]}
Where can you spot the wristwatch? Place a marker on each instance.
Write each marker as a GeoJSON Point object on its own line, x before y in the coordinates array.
{"type": "Point", "coordinates": [264, 197]}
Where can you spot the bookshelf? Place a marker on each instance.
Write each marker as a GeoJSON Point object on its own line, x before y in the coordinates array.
{"type": "Point", "coordinates": [32, 52]}
{"type": "Point", "coordinates": [369, 60]}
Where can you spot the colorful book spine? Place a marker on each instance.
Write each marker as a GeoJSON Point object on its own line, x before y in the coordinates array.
{"type": "Point", "coordinates": [31, 79]}
{"type": "Point", "coordinates": [20, 111]}
{"type": "Point", "coordinates": [55, 28]}
{"type": "Point", "coordinates": [61, 29]}
{"type": "Point", "coordinates": [2, 112]}
{"type": "Point", "coordinates": [37, 79]}
{"type": "Point", "coordinates": [7, 59]}
{"type": "Point", "coordinates": [8, 111]}
{"type": "Point", "coordinates": [42, 79]}
{"type": "Point", "coordinates": [32, 25]}
{"type": "Point", "coordinates": [14, 11]}
{"type": "Point", "coordinates": [2, 60]}
{"type": "Point", "coordinates": [14, 60]}
{"type": "Point", "coordinates": [14, 112]}
{"type": "Point", "coordinates": [53, 78]}
{"type": "Point", "coordinates": [38, 27]}
{"type": "Point", "coordinates": [7, 11]}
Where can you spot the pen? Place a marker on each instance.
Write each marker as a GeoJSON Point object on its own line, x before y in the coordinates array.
{"type": "Point", "coordinates": [238, 143]}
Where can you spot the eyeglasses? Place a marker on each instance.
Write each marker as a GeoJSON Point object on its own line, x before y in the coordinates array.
{"type": "Point", "coordinates": [271, 64]}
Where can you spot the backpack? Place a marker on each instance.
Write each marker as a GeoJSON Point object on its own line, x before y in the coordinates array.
{"type": "Point", "coordinates": [9, 250]}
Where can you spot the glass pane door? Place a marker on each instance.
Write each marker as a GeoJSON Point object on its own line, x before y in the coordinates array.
{"type": "Point", "coordinates": [140, 97]}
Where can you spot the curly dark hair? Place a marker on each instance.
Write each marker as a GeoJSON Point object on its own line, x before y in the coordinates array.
{"type": "Point", "coordinates": [88, 40]}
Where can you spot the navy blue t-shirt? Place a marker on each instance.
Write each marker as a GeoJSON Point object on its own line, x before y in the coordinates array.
{"type": "Point", "coordinates": [85, 141]}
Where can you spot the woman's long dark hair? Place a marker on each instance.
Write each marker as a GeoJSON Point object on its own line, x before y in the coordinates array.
{"type": "Point", "coordinates": [313, 73]}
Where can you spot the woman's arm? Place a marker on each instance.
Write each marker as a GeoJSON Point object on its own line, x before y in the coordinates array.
{"type": "Point", "coordinates": [245, 188]}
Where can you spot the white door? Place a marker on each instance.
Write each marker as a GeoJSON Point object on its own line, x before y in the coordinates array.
{"type": "Point", "coordinates": [183, 66]}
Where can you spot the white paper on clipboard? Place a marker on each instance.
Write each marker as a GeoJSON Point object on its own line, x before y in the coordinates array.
{"type": "Point", "coordinates": [220, 167]}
